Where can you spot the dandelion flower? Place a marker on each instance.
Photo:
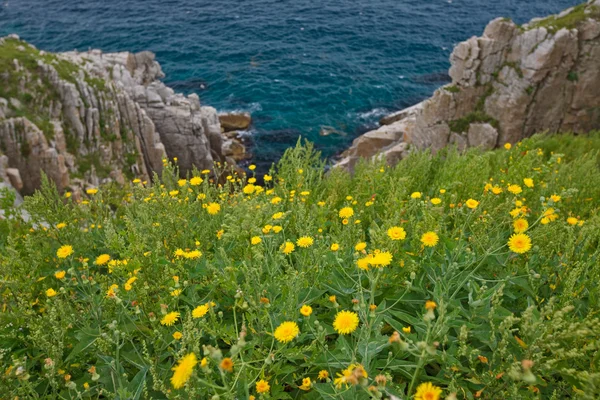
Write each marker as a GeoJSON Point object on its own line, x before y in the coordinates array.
{"type": "Point", "coordinates": [519, 243]}
{"type": "Point", "coordinates": [59, 274]}
{"type": "Point", "coordinates": [430, 239]}
{"type": "Point", "coordinates": [262, 386]}
{"type": "Point", "coordinates": [306, 310]}
{"type": "Point", "coordinates": [472, 204]}
{"type": "Point", "coordinates": [435, 201]}
{"type": "Point", "coordinates": [572, 221]}
{"type": "Point", "coordinates": [277, 215]}
{"type": "Point", "coordinates": [360, 246]}
{"type": "Point", "coordinates": [396, 233]}
{"type": "Point", "coordinates": [255, 240]}
{"type": "Point", "coordinates": [196, 181]}
{"type": "Point", "coordinates": [177, 335]}
{"type": "Point", "coordinates": [427, 391]}
{"type": "Point", "coordinates": [305, 241]}
{"type": "Point", "coordinates": [64, 251]}
{"type": "Point", "coordinates": [51, 292]}
{"type": "Point", "coordinates": [306, 384]}
{"type": "Point", "coordinates": [520, 225]}
{"type": "Point", "coordinates": [496, 190]}
{"type": "Point", "coordinates": [335, 247]}
{"type": "Point", "coordinates": [102, 259]}
{"type": "Point", "coordinates": [528, 182]}
{"type": "Point", "coordinates": [381, 259]}
{"type": "Point", "coordinates": [213, 208]}
{"type": "Point", "coordinates": [323, 374]}
{"type": "Point", "coordinates": [170, 318]}
{"type": "Point", "coordinates": [183, 371]}
{"type": "Point", "coordinates": [507, 146]}
{"type": "Point", "coordinates": [346, 212]}
{"type": "Point", "coordinates": [92, 191]}
{"type": "Point", "coordinates": [515, 189]}
{"type": "Point", "coordinates": [227, 364]}
{"type": "Point", "coordinates": [287, 248]}
{"type": "Point", "coordinates": [416, 195]}
{"type": "Point", "coordinates": [286, 332]}
{"type": "Point", "coordinates": [200, 311]}
{"type": "Point", "coordinates": [555, 198]}
{"type": "Point", "coordinates": [430, 305]}
{"type": "Point", "coordinates": [345, 322]}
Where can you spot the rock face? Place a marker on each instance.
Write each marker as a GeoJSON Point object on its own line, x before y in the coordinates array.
{"type": "Point", "coordinates": [88, 118]}
{"type": "Point", "coordinates": [506, 85]}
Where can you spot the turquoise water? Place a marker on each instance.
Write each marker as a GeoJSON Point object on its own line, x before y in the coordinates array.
{"type": "Point", "coordinates": [296, 65]}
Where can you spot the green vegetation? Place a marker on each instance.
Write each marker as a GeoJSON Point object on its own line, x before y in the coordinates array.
{"type": "Point", "coordinates": [462, 124]}
{"type": "Point", "coordinates": [573, 76]}
{"type": "Point", "coordinates": [452, 88]}
{"type": "Point", "coordinates": [569, 21]}
{"type": "Point", "coordinates": [466, 276]}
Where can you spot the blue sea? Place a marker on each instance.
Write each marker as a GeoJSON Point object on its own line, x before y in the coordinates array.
{"type": "Point", "coordinates": [297, 66]}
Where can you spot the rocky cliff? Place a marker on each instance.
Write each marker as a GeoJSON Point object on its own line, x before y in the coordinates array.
{"type": "Point", "coordinates": [508, 84]}
{"type": "Point", "coordinates": [88, 118]}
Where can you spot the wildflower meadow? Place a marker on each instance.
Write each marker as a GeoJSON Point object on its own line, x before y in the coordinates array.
{"type": "Point", "coordinates": [453, 276]}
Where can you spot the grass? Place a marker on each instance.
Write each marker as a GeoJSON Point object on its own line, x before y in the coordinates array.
{"type": "Point", "coordinates": [569, 21]}
{"type": "Point", "coordinates": [106, 296]}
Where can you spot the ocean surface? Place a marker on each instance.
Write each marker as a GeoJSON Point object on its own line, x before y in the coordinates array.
{"type": "Point", "coordinates": [297, 66]}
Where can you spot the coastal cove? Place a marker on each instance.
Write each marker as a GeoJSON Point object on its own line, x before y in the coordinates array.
{"type": "Point", "coordinates": [295, 67]}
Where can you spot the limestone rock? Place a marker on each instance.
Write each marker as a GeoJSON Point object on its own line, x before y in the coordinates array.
{"type": "Point", "coordinates": [523, 80]}
{"type": "Point", "coordinates": [235, 121]}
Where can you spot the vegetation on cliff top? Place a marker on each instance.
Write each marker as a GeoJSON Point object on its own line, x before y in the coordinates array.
{"type": "Point", "coordinates": [462, 276]}
{"type": "Point", "coordinates": [581, 12]}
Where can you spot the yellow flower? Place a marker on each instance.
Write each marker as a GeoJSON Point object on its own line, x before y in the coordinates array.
{"type": "Point", "coordinates": [430, 305]}
{"type": "Point", "coordinates": [249, 189]}
{"type": "Point", "coordinates": [416, 195]}
{"type": "Point", "coordinates": [555, 198]}
{"type": "Point", "coordinates": [519, 243]}
{"type": "Point", "coordinates": [496, 190]}
{"type": "Point", "coordinates": [346, 212]}
{"type": "Point", "coordinates": [64, 251]}
{"type": "Point", "coordinates": [267, 229]}
{"type": "Point", "coordinates": [177, 335]}
{"type": "Point", "coordinates": [345, 322]}
{"type": "Point", "coordinates": [276, 200]}
{"type": "Point", "coordinates": [182, 182]}
{"type": "Point", "coordinates": [213, 208]}
{"type": "Point", "coordinates": [427, 391]}
{"type": "Point", "coordinates": [173, 193]}
{"type": "Point", "coordinates": [520, 225]}
{"type": "Point", "coordinates": [176, 292]}
{"type": "Point", "coordinates": [396, 233]}
{"type": "Point", "coordinates": [306, 310]}
{"type": "Point", "coordinates": [252, 167]}
{"type": "Point", "coordinates": [430, 239]}
{"type": "Point", "coordinates": [92, 191]}
{"type": "Point", "coordinates": [51, 292]}
{"type": "Point", "coordinates": [60, 225]}
{"type": "Point", "coordinates": [528, 182]}
{"type": "Point", "coordinates": [305, 241]}
{"type": "Point", "coordinates": [345, 221]}
{"type": "Point", "coordinates": [286, 332]}
{"type": "Point", "coordinates": [287, 248]}
{"type": "Point", "coordinates": [306, 384]}
{"type": "Point", "coordinates": [435, 201]}
{"type": "Point", "coordinates": [267, 178]}
{"type": "Point", "coordinates": [102, 259]}
{"type": "Point", "coordinates": [262, 386]}
{"type": "Point", "coordinates": [472, 204]}
{"type": "Point", "coordinates": [507, 146]}
{"type": "Point", "coordinates": [335, 247]}
{"type": "Point", "coordinates": [226, 364]}
{"type": "Point", "coordinates": [360, 246]}
{"type": "Point", "coordinates": [515, 189]}
{"type": "Point", "coordinates": [277, 229]}
{"type": "Point", "coordinates": [255, 240]}
{"type": "Point", "coordinates": [277, 215]}
{"type": "Point", "coordinates": [170, 318]}
{"type": "Point", "coordinates": [200, 311]}
{"type": "Point", "coordinates": [572, 221]}
{"type": "Point", "coordinates": [196, 181]}
{"type": "Point", "coordinates": [204, 362]}
{"type": "Point", "coordinates": [183, 370]}
{"type": "Point", "coordinates": [381, 259]}
{"type": "Point", "coordinates": [59, 274]}
{"type": "Point", "coordinates": [406, 329]}
{"type": "Point", "coordinates": [323, 374]}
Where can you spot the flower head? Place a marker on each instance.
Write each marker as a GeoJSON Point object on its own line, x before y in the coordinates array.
{"type": "Point", "coordinates": [305, 241]}
{"type": "Point", "coordinates": [346, 212]}
{"type": "Point", "coordinates": [430, 239]}
{"type": "Point", "coordinates": [306, 310]}
{"type": "Point", "coordinates": [200, 311]}
{"type": "Point", "coordinates": [227, 364]}
{"type": "Point", "coordinates": [427, 391]}
{"type": "Point", "coordinates": [255, 240]}
{"type": "Point", "coordinates": [396, 233]}
{"type": "Point", "coordinates": [360, 246]}
{"type": "Point", "coordinates": [51, 292]}
{"type": "Point", "coordinates": [262, 386]}
{"type": "Point", "coordinates": [515, 189]}
{"type": "Point", "coordinates": [286, 332]}
{"type": "Point", "coordinates": [59, 274]}
{"type": "Point", "coordinates": [519, 243]}
{"type": "Point", "coordinates": [415, 195]}
{"type": "Point", "coordinates": [472, 204]}
{"type": "Point", "coordinates": [287, 248]}
{"type": "Point", "coordinates": [345, 322]}
{"type": "Point", "coordinates": [335, 247]}
{"type": "Point", "coordinates": [170, 318]}
{"type": "Point", "coordinates": [64, 251]}
{"type": "Point", "coordinates": [435, 201]}
{"type": "Point", "coordinates": [520, 225]}
{"type": "Point", "coordinates": [183, 370]}
{"type": "Point", "coordinates": [102, 259]}
{"type": "Point", "coordinates": [213, 208]}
